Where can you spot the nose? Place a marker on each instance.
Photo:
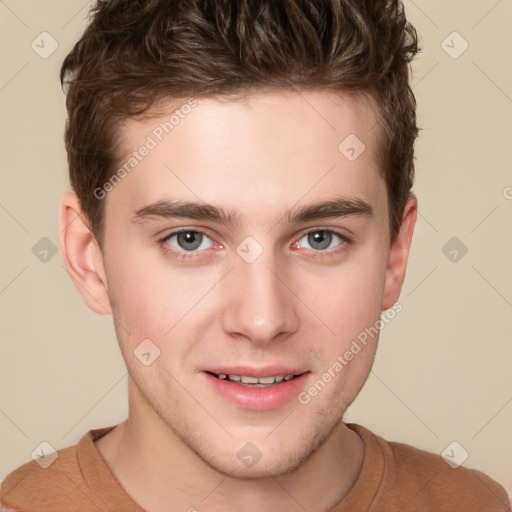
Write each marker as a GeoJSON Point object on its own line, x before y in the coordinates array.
{"type": "Point", "coordinates": [261, 304]}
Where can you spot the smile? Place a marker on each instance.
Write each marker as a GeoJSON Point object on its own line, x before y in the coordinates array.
{"type": "Point", "coordinates": [260, 382]}
{"type": "Point", "coordinates": [270, 390]}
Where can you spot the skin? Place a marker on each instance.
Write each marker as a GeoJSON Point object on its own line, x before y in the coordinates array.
{"type": "Point", "coordinates": [296, 304]}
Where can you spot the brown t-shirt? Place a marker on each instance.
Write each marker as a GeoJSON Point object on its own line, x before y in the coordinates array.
{"type": "Point", "coordinates": [394, 477]}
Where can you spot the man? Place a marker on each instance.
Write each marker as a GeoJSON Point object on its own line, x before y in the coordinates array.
{"type": "Point", "coordinates": [242, 207]}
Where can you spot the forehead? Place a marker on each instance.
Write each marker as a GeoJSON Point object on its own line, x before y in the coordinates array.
{"type": "Point", "coordinates": [251, 153]}
{"type": "Point", "coordinates": [309, 113]}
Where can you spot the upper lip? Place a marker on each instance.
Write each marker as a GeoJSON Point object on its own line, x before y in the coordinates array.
{"type": "Point", "coordinates": [251, 371]}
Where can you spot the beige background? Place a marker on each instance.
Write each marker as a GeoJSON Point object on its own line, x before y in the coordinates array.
{"type": "Point", "coordinates": [443, 369]}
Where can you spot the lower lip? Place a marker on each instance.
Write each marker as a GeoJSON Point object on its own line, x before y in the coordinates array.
{"type": "Point", "coordinates": [258, 399]}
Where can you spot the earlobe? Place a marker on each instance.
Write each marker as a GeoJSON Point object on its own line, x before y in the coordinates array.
{"type": "Point", "coordinates": [399, 254]}
{"type": "Point", "coordinates": [82, 255]}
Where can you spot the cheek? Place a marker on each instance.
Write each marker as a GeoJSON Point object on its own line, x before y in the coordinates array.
{"type": "Point", "coordinates": [154, 299]}
{"type": "Point", "coordinates": [348, 297]}
{"type": "Point", "coordinates": [351, 309]}
{"type": "Point", "coordinates": [141, 295]}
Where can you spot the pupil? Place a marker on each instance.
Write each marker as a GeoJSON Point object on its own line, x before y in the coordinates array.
{"type": "Point", "coordinates": [189, 239]}
{"type": "Point", "coordinates": [322, 239]}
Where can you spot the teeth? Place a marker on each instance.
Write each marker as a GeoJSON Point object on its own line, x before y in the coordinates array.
{"type": "Point", "coordinates": [249, 380]}
{"type": "Point", "coordinates": [243, 379]}
{"type": "Point", "coordinates": [266, 380]}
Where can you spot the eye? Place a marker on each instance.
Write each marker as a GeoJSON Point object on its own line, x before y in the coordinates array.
{"type": "Point", "coordinates": [186, 241]}
{"type": "Point", "coordinates": [322, 239]}
{"type": "Point", "coordinates": [190, 243]}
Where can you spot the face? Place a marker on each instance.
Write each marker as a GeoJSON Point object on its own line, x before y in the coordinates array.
{"type": "Point", "coordinates": [247, 242]}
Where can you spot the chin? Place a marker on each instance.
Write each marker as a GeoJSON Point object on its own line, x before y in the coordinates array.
{"type": "Point", "coordinates": [263, 468]}
{"type": "Point", "coordinates": [264, 458]}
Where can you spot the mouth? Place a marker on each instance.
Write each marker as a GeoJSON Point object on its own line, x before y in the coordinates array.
{"type": "Point", "coordinates": [261, 390]}
{"type": "Point", "coordinates": [256, 387]}
{"type": "Point", "coordinates": [256, 382]}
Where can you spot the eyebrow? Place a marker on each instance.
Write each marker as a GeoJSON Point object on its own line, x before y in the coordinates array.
{"type": "Point", "coordinates": [335, 208]}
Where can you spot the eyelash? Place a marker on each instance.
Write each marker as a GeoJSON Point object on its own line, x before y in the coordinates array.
{"type": "Point", "coordinates": [188, 255]}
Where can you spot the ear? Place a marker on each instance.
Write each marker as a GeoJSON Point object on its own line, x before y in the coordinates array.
{"type": "Point", "coordinates": [399, 253]}
{"type": "Point", "coordinates": [82, 255]}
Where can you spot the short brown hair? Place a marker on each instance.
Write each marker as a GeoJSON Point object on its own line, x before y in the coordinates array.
{"type": "Point", "coordinates": [135, 53]}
